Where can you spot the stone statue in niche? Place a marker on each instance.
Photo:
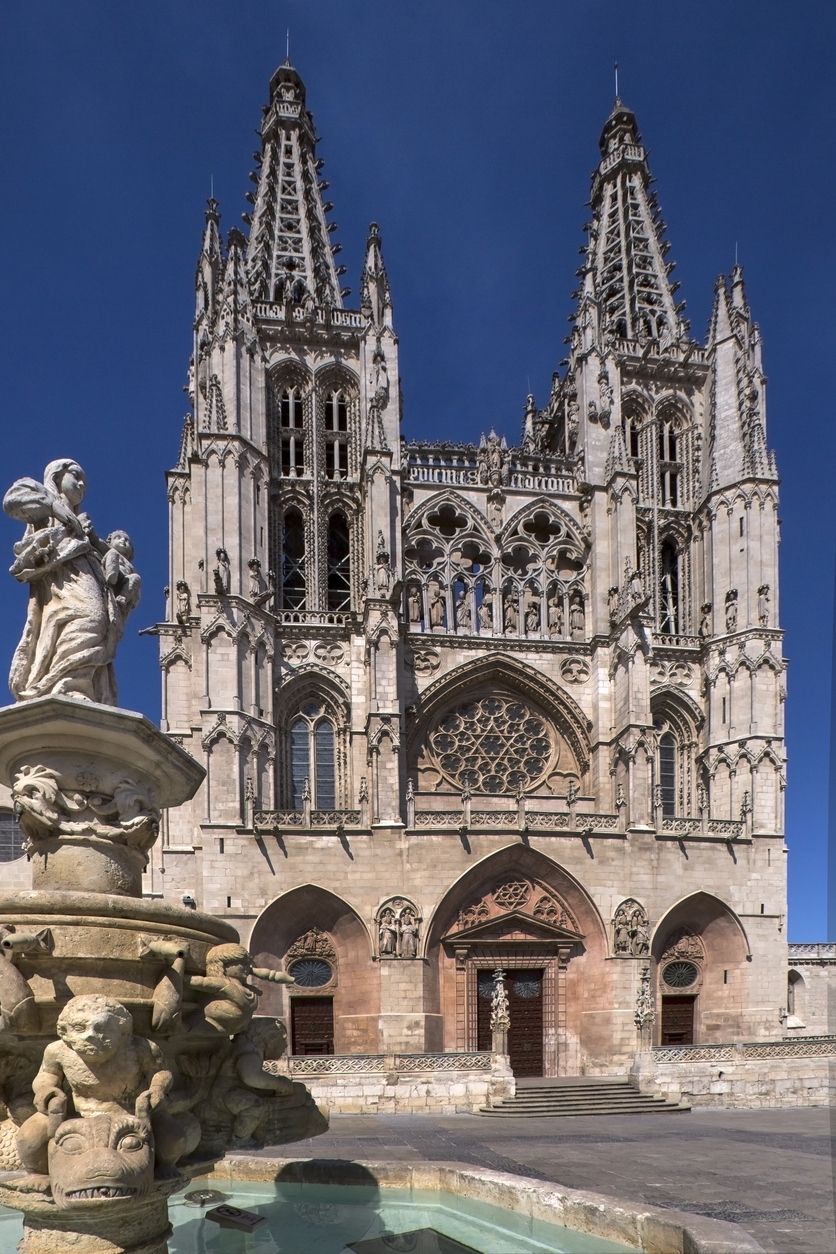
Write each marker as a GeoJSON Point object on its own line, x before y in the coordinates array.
{"type": "Point", "coordinates": [380, 377]}
{"type": "Point", "coordinates": [383, 571]}
{"type": "Point", "coordinates": [613, 599]}
{"type": "Point", "coordinates": [731, 609]}
{"type": "Point", "coordinates": [81, 590]}
{"type": "Point", "coordinates": [496, 501]}
{"type": "Point", "coordinates": [486, 612]}
{"type": "Point", "coordinates": [387, 933]}
{"type": "Point", "coordinates": [573, 423]}
{"type": "Point", "coordinates": [436, 606]}
{"type": "Point", "coordinates": [233, 1000]}
{"type": "Point", "coordinates": [409, 934]}
{"type": "Point", "coordinates": [222, 574]}
{"type": "Point", "coordinates": [99, 1067]}
{"type": "Point", "coordinates": [492, 461]}
{"type": "Point", "coordinates": [532, 619]}
{"type": "Point", "coordinates": [705, 620]}
{"type": "Point", "coordinates": [413, 604]}
{"type": "Point", "coordinates": [398, 929]}
{"type": "Point", "coordinates": [511, 615]}
{"type": "Point", "coordinates": [555, 616]}
{"type": "Point", "coordinates": [464, 616]}
{"type": "Point", "coordinates": [630, 930]}
{"type": "Point", "coordinates": [183, 611]}
{"type": "Point", "coordinates": [763, 605]}
{"type": "Point", "coordinates": [577, 618]}
{"type": "Point", "coordinates": [256, 580]}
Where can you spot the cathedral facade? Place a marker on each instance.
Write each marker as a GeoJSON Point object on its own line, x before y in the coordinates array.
{"type": "Point", "coordinates": [515, 705]}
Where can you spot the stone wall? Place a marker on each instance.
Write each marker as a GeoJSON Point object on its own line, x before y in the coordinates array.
{"type": "Point", "coordinates": [403, 1084]}
{"type": "Point", "coordinates": [811, 990]}
{"type": "Point", "coordinates": [750, 1076]}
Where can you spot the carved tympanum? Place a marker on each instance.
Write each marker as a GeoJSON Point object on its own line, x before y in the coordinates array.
{"type": "Point", "coordinates": [312, 943]}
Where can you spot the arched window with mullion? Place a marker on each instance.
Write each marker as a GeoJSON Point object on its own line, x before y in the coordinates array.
{"type": "Point", "coordinates": [339, 563]}
{"type": "Point", "coordinates": [667, 772]}
{"type": "Point", "coordinates": [312, 759]}
{"type": "Point", "coordinates": [294, 573]}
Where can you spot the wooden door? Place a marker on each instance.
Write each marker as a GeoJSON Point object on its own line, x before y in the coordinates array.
{"type": "Point", "coordinates": [484, 996]}
{"type": "Point", "coordinates": [677, 1021]}
{"type": "Point", "coordinates": [525, 1008]}
{"type": "Point", "coordinates": [312, 1025]}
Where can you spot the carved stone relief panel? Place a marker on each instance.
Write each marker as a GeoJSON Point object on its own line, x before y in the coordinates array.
{"type": "Point", "coordinates": [630, 930]}
{"type": "Point", "coordinates": [397, 928]}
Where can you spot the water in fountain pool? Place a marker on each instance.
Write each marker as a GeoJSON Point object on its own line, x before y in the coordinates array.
{"type": "Point", "coordinates": [354, 1219]}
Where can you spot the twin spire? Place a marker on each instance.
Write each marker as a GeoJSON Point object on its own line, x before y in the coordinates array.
{"type": "Point", "coordinates": [289, 258]}
{"type": "Point", "coordinates": [626, 273]}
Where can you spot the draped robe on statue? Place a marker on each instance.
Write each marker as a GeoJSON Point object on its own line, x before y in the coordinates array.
{"type": "Point", "coordinates": [71, 630]}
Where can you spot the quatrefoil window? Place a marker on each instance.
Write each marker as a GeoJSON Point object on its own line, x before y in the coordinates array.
{"type": "Point", "coordinates": [494, 744]}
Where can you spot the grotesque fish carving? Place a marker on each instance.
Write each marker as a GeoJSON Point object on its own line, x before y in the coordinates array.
{"type": "Point", "coordinates": [100, 1159]}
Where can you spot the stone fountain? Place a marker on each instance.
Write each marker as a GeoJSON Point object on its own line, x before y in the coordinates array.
{"type": "Point", "coordinates": [130, 1057]}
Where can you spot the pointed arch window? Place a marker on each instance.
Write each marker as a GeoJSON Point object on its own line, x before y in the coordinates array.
{"type": "Point", "coordinates": [292, 428]}
{"type": "Point", "coordinates": [339, 563]}
{"type": "Point", "coordinates": [669, 465]}
{"type": "Point", "coordinates": [631, 424]}
{"type": "Point", "coordinates": [294, 576]}
{"type": "Point", "coordinates": [312, 759]}
{"type": "Point", "coordinates": [669, 589]}
{"type": "Point", "coordinates": [336, 435]}
{"type": "Point", "coordinates": [667, 772]}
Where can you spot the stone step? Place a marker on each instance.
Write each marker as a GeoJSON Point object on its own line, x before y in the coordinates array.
{"type": "Point", "coordinates": [664, 1108]}
{"type": "Point", "coordinates": [581, 1097]}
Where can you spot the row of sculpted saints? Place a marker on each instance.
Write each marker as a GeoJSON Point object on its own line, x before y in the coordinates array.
{"type": "Point", "coordinates": [81, 590]}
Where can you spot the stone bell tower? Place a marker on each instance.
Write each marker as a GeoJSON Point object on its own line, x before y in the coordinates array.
{"type": "Point", "coordinates": [283, 506]}
{"type": "Point", "coordinates": [681, 501]}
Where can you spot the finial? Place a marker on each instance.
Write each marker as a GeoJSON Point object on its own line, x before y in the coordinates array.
{"type": "Point", "coordinates": [615, 72]}
{"type": "Point", "coordinates": [287, 48]}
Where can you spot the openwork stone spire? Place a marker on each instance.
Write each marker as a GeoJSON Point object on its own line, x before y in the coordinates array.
{"type": "Point", "coordinates": [290, 256]}
{"type": "Point", "coordinates": [626, 266]}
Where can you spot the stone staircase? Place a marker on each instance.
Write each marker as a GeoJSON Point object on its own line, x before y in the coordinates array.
{"type": "Point", "coordinates": [565, 1096]}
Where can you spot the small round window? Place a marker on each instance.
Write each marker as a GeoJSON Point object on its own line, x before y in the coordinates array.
{"type": "Point", "coordinates": [310, 972]}
{"type": "Point", "coordinates": [680, 974]}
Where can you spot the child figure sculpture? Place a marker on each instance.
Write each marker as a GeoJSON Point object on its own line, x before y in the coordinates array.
{"type": "Point", "coordinates": [233, 1000]}
{"type": "Point", "coordinates": [100, 1067]}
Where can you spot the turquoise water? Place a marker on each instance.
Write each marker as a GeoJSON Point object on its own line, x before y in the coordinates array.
{"type": "Point", "coordinates": [355, 1219]}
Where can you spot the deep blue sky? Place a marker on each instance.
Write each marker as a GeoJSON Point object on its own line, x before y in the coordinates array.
{"type": "Point", "coordinates": [468, 129]}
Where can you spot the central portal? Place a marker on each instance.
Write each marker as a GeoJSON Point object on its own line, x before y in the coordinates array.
{"type": "Point", "coordinates": [525, 1007]}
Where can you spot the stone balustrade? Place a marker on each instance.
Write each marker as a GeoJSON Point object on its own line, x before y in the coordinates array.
{"type": "Point", "coordinates": [399, 1083]}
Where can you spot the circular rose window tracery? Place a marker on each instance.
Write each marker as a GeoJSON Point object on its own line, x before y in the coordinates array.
{"type": "Point", "coordinates": [494, 744]}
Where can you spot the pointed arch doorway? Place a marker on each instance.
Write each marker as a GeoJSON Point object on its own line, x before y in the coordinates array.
{"type": "Point", "coordinates": [534, 955]}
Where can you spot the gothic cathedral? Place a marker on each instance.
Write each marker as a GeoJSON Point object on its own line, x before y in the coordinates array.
{"type": "Point", "coordinates": [516, 705]}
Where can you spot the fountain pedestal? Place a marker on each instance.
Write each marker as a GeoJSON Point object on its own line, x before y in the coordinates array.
{"type": "Point", "coordinates": [127, 1044]}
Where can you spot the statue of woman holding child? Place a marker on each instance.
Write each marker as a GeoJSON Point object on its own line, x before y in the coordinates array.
{"type": "Point", "coordinates": [81, 590]}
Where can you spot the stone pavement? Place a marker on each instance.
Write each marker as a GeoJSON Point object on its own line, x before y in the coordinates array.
{"type": "Point", "coordinates": [768, 1170]}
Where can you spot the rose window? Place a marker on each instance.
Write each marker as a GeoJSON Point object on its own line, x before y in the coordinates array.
{"type": "Point", "coordinates": [680, 974]}
{"type": "Point", "coordinates": [493, 745]}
